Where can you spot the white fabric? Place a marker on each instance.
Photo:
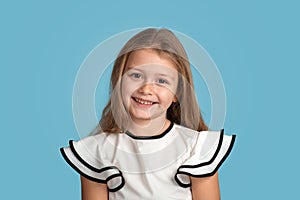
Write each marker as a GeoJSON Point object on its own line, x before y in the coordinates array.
{"type": "Point", "coordinates": [149, 168]}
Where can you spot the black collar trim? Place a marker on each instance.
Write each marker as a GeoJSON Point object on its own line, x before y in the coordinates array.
{"type": "Point", "coordinates": [150, 137]}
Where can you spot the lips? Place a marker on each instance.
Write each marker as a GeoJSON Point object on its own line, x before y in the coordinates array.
{"type": "Point", "coordinates": [143, 101]}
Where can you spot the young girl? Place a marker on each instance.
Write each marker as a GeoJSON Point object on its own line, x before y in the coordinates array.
{"type": "Point", "coordinates": [152, 142]}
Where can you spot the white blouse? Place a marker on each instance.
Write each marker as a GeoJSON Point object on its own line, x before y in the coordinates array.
{"type": "Point", "coordinates": [155, 167]}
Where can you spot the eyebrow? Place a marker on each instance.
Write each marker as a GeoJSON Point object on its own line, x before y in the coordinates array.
{"type": "Point", "coordinates": [165, 75]}
{"type": "Point", "coordinates": [133, 68]}
{"type": "Point", "coordinates": [141, 70]}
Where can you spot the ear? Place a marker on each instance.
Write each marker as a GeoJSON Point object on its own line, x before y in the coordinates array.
{"type": "Point", "coordinates": [174, 99]}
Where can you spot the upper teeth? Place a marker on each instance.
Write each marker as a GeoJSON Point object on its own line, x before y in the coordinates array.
{"type": "Point", "coordinates": [143, 102]}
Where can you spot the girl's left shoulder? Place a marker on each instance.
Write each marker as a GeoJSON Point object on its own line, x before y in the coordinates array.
{"type": "Point", "coordinates": [208, 151]}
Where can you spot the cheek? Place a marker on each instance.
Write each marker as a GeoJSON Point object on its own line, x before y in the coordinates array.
{"type": "Point", "coordinates": [167, 96]}
{"type": "Point", "coordinates": [127, 89]}
{"type": "Point", "coordinates": [171, 89]}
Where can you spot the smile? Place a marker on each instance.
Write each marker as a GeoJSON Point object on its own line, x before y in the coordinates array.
{"type": "Point", "coordinates": [144, 102]}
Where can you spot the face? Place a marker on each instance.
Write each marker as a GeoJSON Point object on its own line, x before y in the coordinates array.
{"type": "Point", "coordinates": [148, 86]}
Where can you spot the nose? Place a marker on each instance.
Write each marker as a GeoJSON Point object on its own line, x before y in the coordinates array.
{"type": "Point", "coordinates": [146, 89]}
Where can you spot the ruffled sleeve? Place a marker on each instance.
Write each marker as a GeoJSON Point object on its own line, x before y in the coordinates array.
{"type": "Point", "coordinates": [86, 158]}
{"type": "Point", "coordinates": [210, 151]}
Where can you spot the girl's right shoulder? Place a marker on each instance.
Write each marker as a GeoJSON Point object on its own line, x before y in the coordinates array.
{"type": "Point", "coordinates": [86, 156]}
{"type": "Point", "coordinates": [91, 145]}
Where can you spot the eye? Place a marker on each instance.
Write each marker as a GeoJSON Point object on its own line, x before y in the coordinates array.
{"type": "Point", "coordinates": [136, 75]}
{"type": "Point", "coordinates": [162, 81]}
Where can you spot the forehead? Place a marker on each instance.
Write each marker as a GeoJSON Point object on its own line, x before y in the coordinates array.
{"type": "Point", "coordinates": [147, 57]}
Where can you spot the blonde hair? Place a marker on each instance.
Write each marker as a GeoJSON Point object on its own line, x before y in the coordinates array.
{"type": "Point", "coordinates": [185, 111]}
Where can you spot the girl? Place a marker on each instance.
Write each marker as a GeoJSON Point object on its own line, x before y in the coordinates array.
{"type": "Point", "coordinates": [152, 142]}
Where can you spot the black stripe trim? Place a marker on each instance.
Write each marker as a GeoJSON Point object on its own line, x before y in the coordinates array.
{"type": "Point", "coordinates": [212, 158]}
{"type": "Point", "coordinates": [71, 142]}
{"type": "Point", "coordinates": [150, 137]}
{"type": "Point", "coordinates": [201, 165]}
{"type": "Point", "coordinates": [184, 185]}
{"type": "Point", "coordinates": [78, 170]}
{"type": "Point", "coordinates": [119, 186]}
{"type": "Point", "coordinates": [93, 178]}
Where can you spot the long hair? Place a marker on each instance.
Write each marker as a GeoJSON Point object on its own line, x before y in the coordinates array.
{"type": "Point", "coordinates": [185, 111]}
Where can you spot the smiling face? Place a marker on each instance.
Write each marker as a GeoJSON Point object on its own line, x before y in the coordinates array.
{"type": "Point", "coordinates": [148, 86]}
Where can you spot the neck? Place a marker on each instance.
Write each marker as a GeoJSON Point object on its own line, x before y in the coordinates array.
{"type": "Point", "coordinates": [149, 127]}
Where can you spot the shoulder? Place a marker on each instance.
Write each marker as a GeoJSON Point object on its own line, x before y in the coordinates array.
{"type": "Point", "coordinates": [97, 139]}
{"type": "Point", "coordinates": [183, 129]}
{"type": "Point", "coordinates": [209, 151]}
{"type": "Point", "coordinates": [185, 133]}
{"type": "Point", "coordinates": [205, 141]}
{"type": "Point", "coordinates": [86, 157]}
{"type": "Point", "coordinates": [197, 138]}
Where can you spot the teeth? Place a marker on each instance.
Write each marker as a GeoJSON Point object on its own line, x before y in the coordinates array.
{"type": "Point", "coordinates": [143, 102]}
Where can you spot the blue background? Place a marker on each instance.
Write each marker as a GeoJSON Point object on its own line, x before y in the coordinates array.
{"type": "Point", "coordinates": [255, 45]}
